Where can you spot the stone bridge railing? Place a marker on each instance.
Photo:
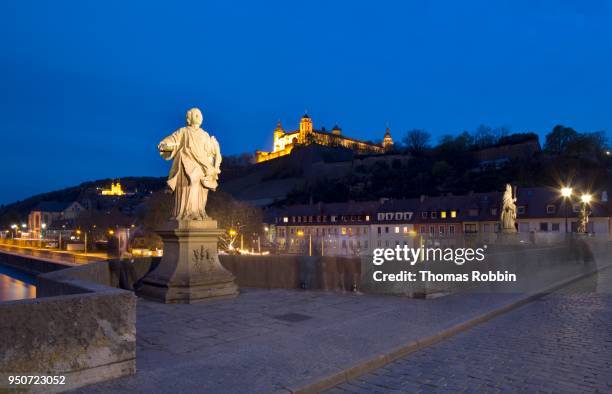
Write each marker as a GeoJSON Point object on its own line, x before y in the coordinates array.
{"type": "Point", "coordinates": [82, 327]}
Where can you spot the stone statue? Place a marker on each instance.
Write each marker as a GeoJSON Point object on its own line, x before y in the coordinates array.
{"type": "Point", "coordinates": [583, 219]}
{"type": "Point", "coordinates": [190, 270]}
{"type": "Point", "coordinates": [508, 213]}
{"type": "Point", "coordinates": [195, 169]}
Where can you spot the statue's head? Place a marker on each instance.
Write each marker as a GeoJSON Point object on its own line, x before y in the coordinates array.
{"type": "Point", "coordinates": [194, 117]}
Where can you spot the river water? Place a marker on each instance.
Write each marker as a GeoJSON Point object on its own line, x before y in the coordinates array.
{"type": "Point", "coordinates": [15, 285]}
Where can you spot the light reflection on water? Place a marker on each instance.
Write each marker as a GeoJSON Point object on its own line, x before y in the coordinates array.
{"type": "Point", "coordinates": [17, 286]}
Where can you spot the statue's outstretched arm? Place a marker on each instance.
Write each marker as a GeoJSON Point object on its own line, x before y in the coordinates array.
{"type": "Point", "coordinates": [168, 146]}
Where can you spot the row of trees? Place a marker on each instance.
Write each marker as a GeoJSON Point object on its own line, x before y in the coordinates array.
{"type": "Point", "coordinates": [561, 140]}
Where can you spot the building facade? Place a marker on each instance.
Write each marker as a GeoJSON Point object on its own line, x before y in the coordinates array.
{"type": "Point", "coordinates": [46, 212]}
{"type": "Point", "coordinates": [285, 141]}
{"type": "Point", "coordinates": [352, 229]}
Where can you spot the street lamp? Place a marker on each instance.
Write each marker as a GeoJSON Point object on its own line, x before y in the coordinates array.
{"type": "Point", "coordinates": [566, 193]}
{"type": "Point", "coordinates": [586, 198]}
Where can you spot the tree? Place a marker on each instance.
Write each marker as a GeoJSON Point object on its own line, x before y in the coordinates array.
{"type": "Point", "coordinates": [484, 136]}
{"type": "Point", "coordinates": [417, 140]}
{"type": "Point", "coordinates": [558, 139]}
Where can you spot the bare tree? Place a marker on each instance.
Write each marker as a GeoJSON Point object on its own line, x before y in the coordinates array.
{"type": "Point", "coordinates": [417, 140]}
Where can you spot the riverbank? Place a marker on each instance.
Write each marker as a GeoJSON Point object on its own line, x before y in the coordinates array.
{"type": "Point", "coordinates": [15, 285]}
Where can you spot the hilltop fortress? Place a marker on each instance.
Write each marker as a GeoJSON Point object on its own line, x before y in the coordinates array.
{"type": "Point", "coordinates": [284, 141]}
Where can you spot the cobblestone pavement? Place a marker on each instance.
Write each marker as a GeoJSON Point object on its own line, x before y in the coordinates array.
{"type": "Point", "coordinates": [559, 343]}
{"type": "Point", "coordinates": [277, 340]}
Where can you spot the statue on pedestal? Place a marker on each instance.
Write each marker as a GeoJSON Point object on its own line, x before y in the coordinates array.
{"type": "Point", "coordinates": [190, 270]}
{"type": "Point", "coordinates": [195, 169]}
{"type": "Point", "coordinates": [583, 219]}
{"type": "Point", "coordinates": [508, 212]}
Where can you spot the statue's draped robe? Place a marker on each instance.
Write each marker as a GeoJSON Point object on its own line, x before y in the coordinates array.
{"type": "Point", "coordinates": [508, 211]}
{"type": "Point", "coordinates": [194, 171]}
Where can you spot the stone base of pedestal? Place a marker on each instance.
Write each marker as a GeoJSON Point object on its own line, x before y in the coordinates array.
{"type": "Point", "coordinates": [189, 270]}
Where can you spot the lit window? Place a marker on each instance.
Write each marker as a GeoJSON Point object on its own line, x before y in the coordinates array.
{"type": "Point", "coordinates": [367, 218]}
{"type": "Point", "coordinates": [405, 230]}
{"type": "Point", "coordinates": [397, 229]}
{"type": "Point", "coordinates": [551, 208]}
{"type": "Point", "coordinates": [285, 219]}
{"type": "Point", "coordinates": [453, 214]}
{"type": "Point", "coordinates": [343, 230]}
{"type": "Point", "coordinates": [443, 214]}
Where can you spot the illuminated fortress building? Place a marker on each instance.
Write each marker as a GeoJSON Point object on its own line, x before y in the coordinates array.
{"type": "Point", "coordinates": [284, 141]}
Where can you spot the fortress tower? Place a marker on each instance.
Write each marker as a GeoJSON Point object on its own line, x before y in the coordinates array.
{"type": "Point", "coordinates": [305, 128]}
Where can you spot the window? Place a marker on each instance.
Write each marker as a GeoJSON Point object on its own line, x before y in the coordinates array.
{"type": "Point", "coordinates": [576, 208]}
{"type": "Point", "coordinates": [494, 211]}
{"type": "Point", "coordinates": [443, 215]}
{"type": "Point", "coordinates": [365, 230]}
{"type": "Point", "coordinates": [521, 210]}
{"type": "Point", "coordinates": [470, 228]}
{"type": "Point", "coordinates": [422, 229]}
{"type": "Point", "coordinates": [285, 219]}
{"type": "Point", "coordinates": [343, 231]}
{"type": "Point", "coordinates": [397, 229]}
{"type": "Point", "coordinates": [442, 230]}
{"type": "Point", "coordinates": [543, 226]}
{"type": "Point", "coordinates": [486, 228]}
{"type": "Point", "coordinates": [551, 208]}
{"type": "Point", "coordinates": [424, 215]}
{"type": "Point", "coordinates": [555, 227]}
{"type": "Point", "coordinates": [473, 212]}
{"type": "Point", "coordinates": [379, 229]}
{"type": "Point", "coordinates": [389, 216]}
{"type": "Point", "coordinates": [451, 229]}
{"type": "Point", "coordinates": [367, 218]}
{"type": "Point", "coordinates": [432, 230]}
{"type": "Point", "coordinates": [434, 215]}
{"type": "Point", "coordinates": [379, 243]}
{"type": "Point", "coordinates": [365, 244]}
{"type": "Point", "coordinates": [386, 230]}
{"type": "Point", "coordinates": [381, 216]}
{"type": "Point", "coordinates": [453, 214]}
{"type": "Point", "coordinates": [407, 215]}
{"type": "Point", "coordinates": [405, 229]}
{"type": "Point", "coordinates": [398, 216]}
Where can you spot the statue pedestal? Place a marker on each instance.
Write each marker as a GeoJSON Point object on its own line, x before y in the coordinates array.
{"type": "Point", "coordinates": [189, 270]}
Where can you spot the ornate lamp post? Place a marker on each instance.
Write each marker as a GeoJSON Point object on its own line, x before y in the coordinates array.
{"type": "Point", "coordinates": [566, 193]}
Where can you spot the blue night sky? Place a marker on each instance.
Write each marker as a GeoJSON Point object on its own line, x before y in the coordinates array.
{"type": "Point", "coordinates": [87, 89]}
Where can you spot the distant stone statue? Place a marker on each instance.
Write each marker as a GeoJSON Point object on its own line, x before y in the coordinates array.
{"type": "Point", "coordinates": [508, 213]}
{"type": "Point", "coordinates": [195, 169]}
{"type": "Point", "coordinates": [583, 219]}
